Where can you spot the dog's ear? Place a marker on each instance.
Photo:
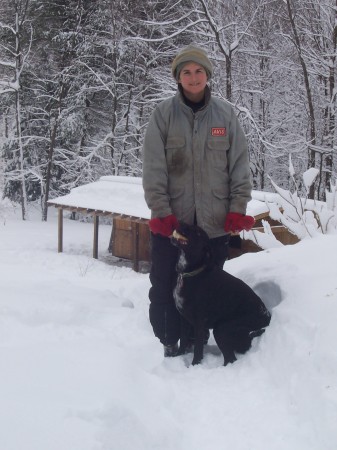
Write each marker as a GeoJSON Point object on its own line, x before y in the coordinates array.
{"type": "Point", "coordinates": [209, 260]}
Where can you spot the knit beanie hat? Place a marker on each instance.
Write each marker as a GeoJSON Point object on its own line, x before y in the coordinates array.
{"type": "Point", "coordinates": [194, 54]}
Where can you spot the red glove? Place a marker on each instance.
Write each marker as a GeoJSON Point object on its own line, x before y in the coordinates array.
{"type": "Point", "coordinates": [236, 222]}
{"type": "Point", "coordinates": [163, 225]}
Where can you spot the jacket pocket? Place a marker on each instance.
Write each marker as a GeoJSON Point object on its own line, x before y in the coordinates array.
{"type": "Point", "coordinates": [218, 165]}
{"type": "Point", "coordinates": [217, 148]}
{"type": "Point", "coordinates": [174, 150]}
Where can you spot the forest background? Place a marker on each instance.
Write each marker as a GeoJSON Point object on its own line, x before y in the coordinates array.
{"type": "Point", "coordinates": [80, 78]}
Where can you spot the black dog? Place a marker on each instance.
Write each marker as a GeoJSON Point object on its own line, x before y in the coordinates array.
{"type": "Point", "coordinates": [209, 298]}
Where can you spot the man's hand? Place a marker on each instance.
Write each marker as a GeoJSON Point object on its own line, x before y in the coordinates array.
{"type": "Point", "coordinates": [236, 222]}
{"type": "Point", "coordinates": [163, 225]}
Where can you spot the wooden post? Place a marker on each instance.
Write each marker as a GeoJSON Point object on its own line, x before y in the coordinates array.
{"type": "Point", "coordinates": [135, 242]}
{"type": "Point", "coordinates": [95, 247]}
{"type": "Point", "coordinates": [60, 231]}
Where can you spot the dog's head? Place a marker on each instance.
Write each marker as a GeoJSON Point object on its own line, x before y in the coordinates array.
{"type": "Point", "coordinates": [193, 242]}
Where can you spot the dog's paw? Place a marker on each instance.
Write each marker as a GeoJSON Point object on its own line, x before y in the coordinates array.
{"type": "Point", "coordinates": [256, 333]}
{"type": "Point", "coordinates": [170, 350]}
{"type": "Point", "coordinates": [196, 361]}
{"type": "Point", "coordinates": [183, 350]}
{"type": "Point", "coordinates": [229, 359]}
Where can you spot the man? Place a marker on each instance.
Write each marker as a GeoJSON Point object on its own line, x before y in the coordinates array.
{"type": "Point", "coordinates": [195, 169]}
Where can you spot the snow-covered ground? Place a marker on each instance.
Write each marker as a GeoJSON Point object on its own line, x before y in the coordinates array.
{"type": "Point", "coordinates": [81, 369]}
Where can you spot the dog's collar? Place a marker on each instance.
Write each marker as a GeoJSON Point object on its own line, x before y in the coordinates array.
{"type": "Point", "coordinates": [193, 273]}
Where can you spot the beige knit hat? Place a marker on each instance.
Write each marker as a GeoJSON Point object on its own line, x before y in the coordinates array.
{"type": "Point", "coordinates": [191, 53]}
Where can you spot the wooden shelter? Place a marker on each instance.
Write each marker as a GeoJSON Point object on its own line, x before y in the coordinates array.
{"type": "Point", "coordinates": [122, 199]}
{"type": "Point", "coordinates": [129, 237]}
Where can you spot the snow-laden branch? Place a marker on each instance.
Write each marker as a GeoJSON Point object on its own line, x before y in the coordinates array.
{"type": "Point", "coordinates": [168, 22]}
{"type": "Point", "coordinates": [24, 57]}
{"type": "Point", "coordinates": [165, 38]}
{"type": "Point", "coordinates": [9, 86]}
{"type": "Point", "coordinates": [331, 197]}
{"type": "Point", "coordinates": [98, 77]}
{"type": "Point", "coordinates": [7, 64]}
{"type": "Point", "coordinates": [264, 239]}
{"type": "Point", "coordinates": [7, 27]}
{"type": "Point", "coordinates": [303, 217]}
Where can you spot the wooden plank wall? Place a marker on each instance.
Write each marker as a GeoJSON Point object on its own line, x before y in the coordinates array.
{"type": "Point", "coordinates": [127, 239]}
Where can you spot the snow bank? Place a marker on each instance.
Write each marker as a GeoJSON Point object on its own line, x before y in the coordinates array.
{"type": "Point", "coordinates": [81, 369]}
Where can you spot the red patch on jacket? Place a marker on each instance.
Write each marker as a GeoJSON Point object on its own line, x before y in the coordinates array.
{"type": "Point", "coordinates": [218, 131]}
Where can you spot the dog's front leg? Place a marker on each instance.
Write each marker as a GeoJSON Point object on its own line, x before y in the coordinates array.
{"type": "Point", "coordinates": [185, 332]}
{"type": "Point", "coordinates": [199, 337]}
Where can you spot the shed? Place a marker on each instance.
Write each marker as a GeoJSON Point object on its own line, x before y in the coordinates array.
{"type": "Point", "coordinates": [122, 199]}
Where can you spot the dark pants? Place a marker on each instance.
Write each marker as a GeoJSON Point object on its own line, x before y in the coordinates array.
{"type": "Point", "coordinates": [164, 316]}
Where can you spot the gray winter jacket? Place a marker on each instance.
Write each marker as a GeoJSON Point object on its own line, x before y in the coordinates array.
{"type": "Point", "coordinates": [196, 165]}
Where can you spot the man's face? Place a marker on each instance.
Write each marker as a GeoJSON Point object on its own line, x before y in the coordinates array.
{"type": "Point", "coordinates": [193, 79]}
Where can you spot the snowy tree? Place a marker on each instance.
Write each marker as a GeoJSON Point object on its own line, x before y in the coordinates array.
{"type": "Point", "coordinates": [17, 37]}
{"type": "Point", "coordinates": [91, 73]}
{"type": "Point", "coordinates": [313, 34]}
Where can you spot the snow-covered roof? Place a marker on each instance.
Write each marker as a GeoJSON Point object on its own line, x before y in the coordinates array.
{"type": "Point", "coordinates": [114, 194]}
{"type": "Point", "coordinates": [124, 195]}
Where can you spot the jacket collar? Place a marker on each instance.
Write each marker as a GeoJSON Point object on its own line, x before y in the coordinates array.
{"type": "Point", "coordinates": [180, 97]}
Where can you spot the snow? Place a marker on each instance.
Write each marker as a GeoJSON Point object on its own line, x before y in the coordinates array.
{"type": "Point", "coordinates": [81, 369]}
{"type": "Point", "coordinates": [309, 177]}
